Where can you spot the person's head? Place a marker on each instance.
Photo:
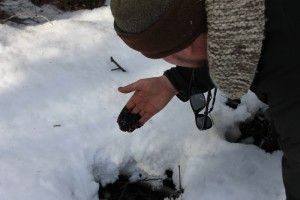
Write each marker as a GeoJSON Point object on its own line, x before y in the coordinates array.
{"type": "Point", "coordinates": [171, 29]}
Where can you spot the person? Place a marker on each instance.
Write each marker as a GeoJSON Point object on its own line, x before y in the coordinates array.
{"type": "Point", "coordinates": [235, 45]}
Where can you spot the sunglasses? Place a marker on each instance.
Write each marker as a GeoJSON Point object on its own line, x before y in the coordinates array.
{"type": "Point", "coordinates": [198, 103]}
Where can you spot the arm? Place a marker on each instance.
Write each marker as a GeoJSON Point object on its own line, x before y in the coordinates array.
{"type": "Point", "coordinates": [151, 95]}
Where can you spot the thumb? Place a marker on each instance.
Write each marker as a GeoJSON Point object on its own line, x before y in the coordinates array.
{"type": "Point", "coordinates": [128, 88]}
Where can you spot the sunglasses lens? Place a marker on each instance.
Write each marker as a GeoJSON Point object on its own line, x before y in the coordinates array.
{"type": "Point", "coordinates": [198, 102]}
{"type": "Point", "coordinates": [200, 122]}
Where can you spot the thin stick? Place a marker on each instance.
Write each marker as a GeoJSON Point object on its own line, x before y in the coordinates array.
{"type": "Point", "coordinates": [125, 187]}
{"type": "Point", "coordinates": [180, 187]}
{"type": "Point", "coordinates": [31, 17]}
{"type": "Point", "coordinates": [119, 67]}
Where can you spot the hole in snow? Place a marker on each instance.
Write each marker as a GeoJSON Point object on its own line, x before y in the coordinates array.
{"type": "Point", "coordinates": [258, 130]}
{"type": "Point", "coordinates": [142, 189]}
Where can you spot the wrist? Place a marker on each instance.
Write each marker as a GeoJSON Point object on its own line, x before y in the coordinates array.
{"type": "Point", "coordinates": [169, 84]}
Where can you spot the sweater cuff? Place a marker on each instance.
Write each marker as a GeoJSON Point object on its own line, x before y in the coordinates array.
{"type": "Point", "coordinates": [180, 78]}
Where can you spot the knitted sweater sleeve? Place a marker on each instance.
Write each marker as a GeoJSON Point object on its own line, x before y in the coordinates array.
{"type": "Point", "coordinates": [181, 79]}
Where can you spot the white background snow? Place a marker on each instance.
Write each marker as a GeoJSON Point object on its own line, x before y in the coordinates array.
{"type": "Point", "coordinates": [58, 133]}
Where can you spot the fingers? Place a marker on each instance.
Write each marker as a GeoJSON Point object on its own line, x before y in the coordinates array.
{"type": "Point", "coordinates": [128, 88]}
{"type": "Point", "coordinates": [145, 118]}
{"type": "Point", "coordinates": [136, 110]}
{"type": "Point", "coordinates": [131, 105]}
{"type": "Point", "coordinates": [145, 112]}
{"type": "Point", "coordinates": [136, 100]}
{"type": "Point", "coordinates": [142, 111]}
{"type": "Point", "coordinates": [136, 107]}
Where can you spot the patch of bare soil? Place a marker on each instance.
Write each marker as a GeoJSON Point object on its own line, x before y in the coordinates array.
{"type": "Point", "coordinates": [261, 131]}
{"type": "Point", "coordinates": [123, 189]}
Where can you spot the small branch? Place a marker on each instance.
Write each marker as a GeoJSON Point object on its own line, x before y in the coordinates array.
{"type": "Point", "coordinates": [11, 17]}
{"type": "Point", "coordinates": [180, 187]}
{"type": "Point", "coordinates": [41, 16]}
{"type": "Point", "coordinates": [118, 66]}
{"type": "Point", "coordinates": [31, 17]}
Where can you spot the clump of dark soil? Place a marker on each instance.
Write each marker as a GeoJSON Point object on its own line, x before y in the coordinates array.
{"type": "Point", "coordinates": [142, 189]}
{"type": "Point", "coordinates": [262, 132]}
{"type": "Point", "coordinates": [259, 130]}
{"type": "Point", "coordinates": [128, 121]}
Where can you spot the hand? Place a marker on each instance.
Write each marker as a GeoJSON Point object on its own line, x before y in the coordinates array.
{"type": "Point", "coordinates": [150, 96]}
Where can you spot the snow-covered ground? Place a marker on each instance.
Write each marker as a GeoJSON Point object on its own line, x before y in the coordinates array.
{"type": "Point", "coordinates": [58, 133]}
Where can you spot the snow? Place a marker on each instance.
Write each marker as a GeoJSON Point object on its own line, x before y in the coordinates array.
{"type": "Point", "coordinates": [58, 133]}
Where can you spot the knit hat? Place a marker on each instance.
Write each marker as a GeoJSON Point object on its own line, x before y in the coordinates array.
{"type": "Point", "coordinates": [159, 28]}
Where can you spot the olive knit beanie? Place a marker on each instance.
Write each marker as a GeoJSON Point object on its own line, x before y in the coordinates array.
{"type": "Point", "coordinates": [135, 16]}
{"type": "Point", "coordinates": [158, 28]}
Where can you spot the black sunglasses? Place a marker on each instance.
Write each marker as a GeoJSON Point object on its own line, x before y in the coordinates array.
{"type": "Point", "coordinates": [198, 103]}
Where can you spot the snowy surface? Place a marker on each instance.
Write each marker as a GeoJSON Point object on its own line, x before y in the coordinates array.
{"type": "Point", "coordinates": [58, 132]}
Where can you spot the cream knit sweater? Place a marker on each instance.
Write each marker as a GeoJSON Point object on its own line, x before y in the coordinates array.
{"type": "Point", "coordinates": [235, 35]}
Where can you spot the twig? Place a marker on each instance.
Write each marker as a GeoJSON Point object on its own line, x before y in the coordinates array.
{"type": "Point", "coordinates": [36, 13]}
{"type": "Point", "coordinates": [125, 187]}
{"type": "Point", "coordinates": [118, 66]}
{"type": "Point", "coordinates": [180, 187]}
{"type": "Point", "coordinates": [150, 179]}
{"type": "Point", "coordinates": [31, 17]}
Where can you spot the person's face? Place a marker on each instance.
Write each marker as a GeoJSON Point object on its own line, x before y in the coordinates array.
{"type": "Point", "coordinates": [192, 56]}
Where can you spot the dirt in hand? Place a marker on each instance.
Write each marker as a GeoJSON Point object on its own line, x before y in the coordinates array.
{"type": "Point", "coordinates": [128, 121]}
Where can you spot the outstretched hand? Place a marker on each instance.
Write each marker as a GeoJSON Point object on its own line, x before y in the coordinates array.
{"type": "Point", "coordinates": [150, 96]}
